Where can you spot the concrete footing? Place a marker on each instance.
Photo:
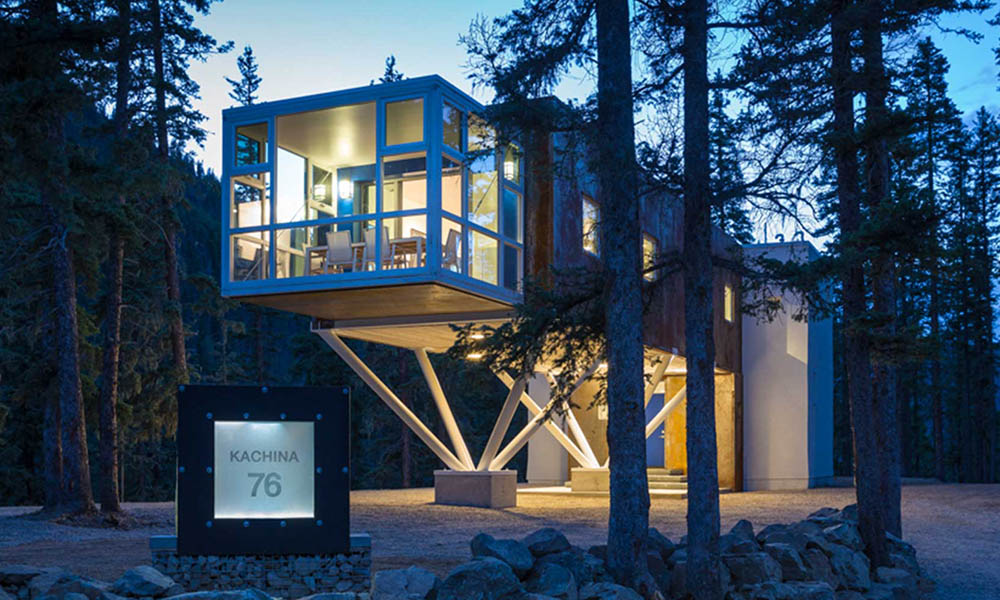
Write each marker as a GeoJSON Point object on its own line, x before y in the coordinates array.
{"type": "Point", "coordinates": [582, 479]}
{"type": "Point", "coordinates": [486, 489]}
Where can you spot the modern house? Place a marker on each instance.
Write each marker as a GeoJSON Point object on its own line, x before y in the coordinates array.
{"type": "Point", "coordinates": [388, 213]}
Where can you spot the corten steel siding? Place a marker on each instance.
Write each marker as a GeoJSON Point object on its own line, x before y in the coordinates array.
{"type": "Point", "coordinates": [556, 181]}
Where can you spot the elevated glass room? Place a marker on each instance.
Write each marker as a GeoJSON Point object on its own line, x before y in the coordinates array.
{"type": "Point", "coordinates": [373, 188]}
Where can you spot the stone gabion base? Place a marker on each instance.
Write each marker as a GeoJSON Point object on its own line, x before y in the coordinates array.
{"type": "Point", "coordinates": [287, 576]}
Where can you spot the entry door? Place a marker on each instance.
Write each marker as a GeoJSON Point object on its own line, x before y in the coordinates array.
{"type": "Point", "coordinates": [654, 443]}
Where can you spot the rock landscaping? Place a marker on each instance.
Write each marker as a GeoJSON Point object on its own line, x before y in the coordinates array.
{"type": "Point", "coordinates": [819, 558]}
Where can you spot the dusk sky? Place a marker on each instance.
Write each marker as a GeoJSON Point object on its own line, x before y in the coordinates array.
{"type": "Point", "coordinates": [311, 46]}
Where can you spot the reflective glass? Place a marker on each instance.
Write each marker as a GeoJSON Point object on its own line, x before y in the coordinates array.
{"type": "Point", "coordinates": [404, 122]}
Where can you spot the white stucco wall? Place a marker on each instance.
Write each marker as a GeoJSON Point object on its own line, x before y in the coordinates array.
{"type": "Point", "coordinates": [547, 460]}
{"type": "Point", "coordinates": [787, 392]}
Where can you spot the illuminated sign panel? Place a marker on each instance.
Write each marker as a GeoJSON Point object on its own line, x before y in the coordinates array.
{"type": "Point", "coordinates": [264, 470]}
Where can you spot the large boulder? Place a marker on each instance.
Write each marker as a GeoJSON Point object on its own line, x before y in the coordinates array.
{"type": "Point", "coordinates": [551, 579]}
{"type": "Point", "coordinates": [792, 567]}
{"type": "Point", "coordinates": [750, 569]}
{"type": "Point", "coordinates": [144, 582]}
{"type": "Point", "coordinates": [818, 567]}
{"type": "Point", "coordinates": [71, 584]}
{"type": "Point", "coordinates": [607, 591]}
{"type": "Point", "coordinates": [486, 578]}
{"type": "Point", "coordinates": [678, 580]}
{"type": "Point", "coordinates": [244, 594]}
{"type": "Point", "coordinates": [18, 575]}
{"type": "Point", "coordinates": [659, 543]}
{"type": "Point", "coordinates": [331, 596]}
{"type": "Point", "coordinates": [845, 534]}
{"type": "Point", "coordinates": [585, 567]}
{"type": "Point", "coordinates": [546, 541]}
{"type": "Point", "coordinates": [770, 590]}
{"type": "Point", "coordinates": [732, 543]}
{"type": "Point", "coordinates": [743, 529]}
{"type": "Point", "coordinates": [782, 534]}
{"type": "Point", "coordinates": [512, 552]}
{"type": "Point", "coordinates": [851, 568]}
{"type": "Point", "coordinates": [827, 512]}
{"type": "Point", "coordinates": [849, 513]}
{"type": "Point", "coordinates": [659, 570]}
{"type": "Point", "coordinates": [413, 583]}
{"type": "Point", "coordinates": [899, 578]}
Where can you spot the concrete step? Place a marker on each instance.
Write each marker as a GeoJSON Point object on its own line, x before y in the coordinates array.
{"type": "Point", "coordinates": [668, 485]}
{"type": "Point", "coordinates": [667, 478]}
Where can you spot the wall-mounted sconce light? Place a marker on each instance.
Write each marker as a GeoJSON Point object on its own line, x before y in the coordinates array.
{"type": "Point", "coordinates": [346, 188]}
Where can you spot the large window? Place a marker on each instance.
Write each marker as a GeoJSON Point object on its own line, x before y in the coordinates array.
{"type": "Point", "coordinates": [728, 303]}
{"type": "Point", "coordinates": [648, 256]}
{"type": "Point", "coordinates": [344, 191]}
{"type": "Point", "coordinates": [591, 219]}
{"type": "Point", "coordinates": [404, 122]}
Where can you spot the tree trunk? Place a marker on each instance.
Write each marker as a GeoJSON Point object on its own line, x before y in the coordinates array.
{"type": "Point", "coordinates": [617, 173]}
{"type": "Point", "coordinates": [703, 477]}
{"type": "Point", "coordinates": [937, 412]}
{"type": "Point", "coordinates": [856, 342]}
{"type": "Point", "coordinates": [174, 311]}
{"type": "Point", "coordinates": [77, 495]}
{"type": "Point", "coordinates": [52, 444]}
{"type": "Point", "coordinates": [884, 264]}
{"type": "Point", "coordinates": [113, 276]}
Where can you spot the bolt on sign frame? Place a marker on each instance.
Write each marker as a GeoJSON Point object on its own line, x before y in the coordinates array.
{"type": "Point", "coordinates": [279, 415]}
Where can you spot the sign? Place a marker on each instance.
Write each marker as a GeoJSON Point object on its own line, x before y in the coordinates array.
{"type": "Point", "coordinates": [262, 470]}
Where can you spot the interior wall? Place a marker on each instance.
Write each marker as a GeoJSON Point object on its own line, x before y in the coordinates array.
{"type": "Point", "coordinates": [675, 433]}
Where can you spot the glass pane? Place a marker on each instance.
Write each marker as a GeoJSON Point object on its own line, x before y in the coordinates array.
{"type": "Point", "coordinates": [481, 135]}
{"type": "Point", "coordinates": [404, 122]}
{"type": "Point", "coordinates": [512, 164]}
{"type": "Point", "coordinates": [452, 119]}
{"type": "Point", "coordinates": [404, 182]}
{"type": "Point", "coordinates": [451, 249]}
{"type": "Point", "coordinates": [648, 256]}
{"type": "Point", "coordinates": [512, 214]}
{"type": "Point", "coordinates": [728, 302]}
{"type": "Point", "coordinates": [290, 247]}
{"type": "Point", "coordinates": [248, 256]}
{"type": "Point", "coordinates": [250, 200]}
{"type": "Point", "coordinates": [591, 216]}
{"type": "Point", "coordinates": [451, 186]}
{"type": "Point", "coordinates": [483, 192]}
{"type": "Point", "coordinates": [325, 163]}
{"type": "Point", "coordinates": [483, 257]}
{"type": "Point", "coordinates": [511, 267]}
{"type": "Point", "coordinates": [407, 238]}
{"type": "Point", "coordinates": [251, 144]}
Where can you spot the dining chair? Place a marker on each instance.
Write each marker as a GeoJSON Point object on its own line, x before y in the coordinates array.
{"type": "Point", "coordinates": [339, 253]}
{"type": "Point", "coordinates": [368, 254]}
{"type": "Point", "coordinates": [449, 259]}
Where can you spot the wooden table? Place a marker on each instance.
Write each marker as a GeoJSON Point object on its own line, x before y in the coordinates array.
{"type": "Point", "coordinates": [410, 246]}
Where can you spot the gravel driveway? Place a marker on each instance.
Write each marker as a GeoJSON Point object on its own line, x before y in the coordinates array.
{"type": "Point", "coordinates": [955, 528]}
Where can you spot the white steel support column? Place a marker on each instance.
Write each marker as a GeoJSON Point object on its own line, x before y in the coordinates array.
{"type": "Point", "coordinates": [502, 424]}
{"type": "Point", "coordinates": [457, 442]}
{"type": "Point", "coordinates": [574, 425]}
{"type": "Point", "coordinates": [392, 401]}
{"type": "Point", "coordinates": [657, 377]}
{"type": "Point", "coordinates": [520, 439]}
{"type": "Point", "coordinates": [666, 410]}
{"type": "Point", "coordinates": [551, 427]}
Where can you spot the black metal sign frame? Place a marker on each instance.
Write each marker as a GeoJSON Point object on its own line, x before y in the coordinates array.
{"type": "Point", "coordinates": [199, 533]}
